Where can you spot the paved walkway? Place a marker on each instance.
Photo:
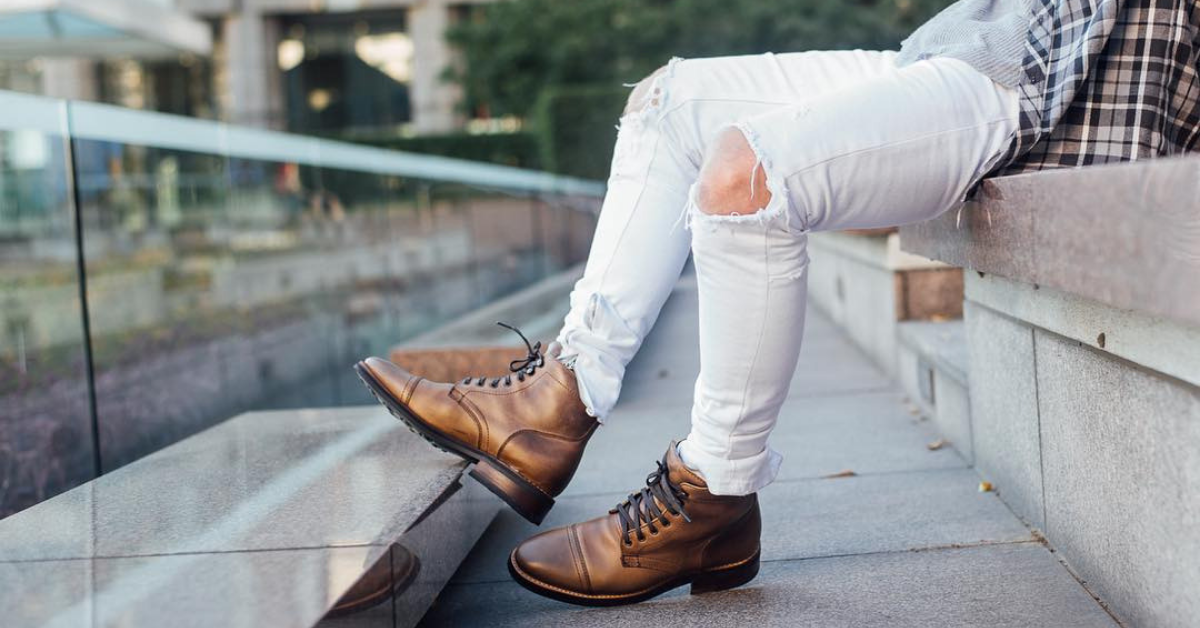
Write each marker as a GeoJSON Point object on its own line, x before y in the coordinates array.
{"type": "Point", "coordinates": [906, 541]}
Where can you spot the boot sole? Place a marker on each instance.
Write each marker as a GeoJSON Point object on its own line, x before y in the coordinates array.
{"type": "Point", "coordinates": [522, 496]}
{"type": "Point", "coordinates": [702, 582]}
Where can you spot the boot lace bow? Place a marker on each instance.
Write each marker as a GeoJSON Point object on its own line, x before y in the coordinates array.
{"type": "Point", "coordinates": [523, 367]}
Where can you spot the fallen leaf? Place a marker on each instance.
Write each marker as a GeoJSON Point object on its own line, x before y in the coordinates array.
{"type": "Point", "coordinates": [986, 487]}
{"type": "Point", "coordinates": [845, 473]}
{"type": "Point", "coordinates": [936, 445]}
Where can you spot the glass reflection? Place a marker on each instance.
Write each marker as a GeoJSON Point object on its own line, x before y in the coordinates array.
{"type": "Point", "coordinates": [219, 285]}
{"type": "Point", "coordinates": [45, 433]}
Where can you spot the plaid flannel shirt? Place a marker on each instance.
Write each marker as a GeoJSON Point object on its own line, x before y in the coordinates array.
{"type": "Point", "coordinates": [1108, 81]}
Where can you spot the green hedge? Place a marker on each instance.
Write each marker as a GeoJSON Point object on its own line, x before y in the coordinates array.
{"type": "Point", "coordinates": [510, 149]}
{"type": "Point", "coordinates": [575, 130]}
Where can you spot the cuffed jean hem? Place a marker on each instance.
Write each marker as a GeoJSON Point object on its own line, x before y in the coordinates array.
{"type": "Point", "coordinates": [732, 477]}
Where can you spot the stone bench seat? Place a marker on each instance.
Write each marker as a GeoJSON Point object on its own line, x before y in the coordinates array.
{"type": "Point", "coordinates": [266, 519]}
{"type": "Point", "coordinates": [1082, 326]}
{"type": "Point", "coordinates": [1127, 236]}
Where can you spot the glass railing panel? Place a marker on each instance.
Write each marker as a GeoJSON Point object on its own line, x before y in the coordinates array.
{"type": "Point", "coordinates": [45, 420]}
{"type": "Point", "coordinates": [156, 228]}
{"type": "Point", "coordinates": [505, 238]}
{"type": "Point", "coordinates": [277, 272]}
{"type": "Point", "coordinates": [566, 225]}
{"type": "Point", "coordinates": [228, 270]}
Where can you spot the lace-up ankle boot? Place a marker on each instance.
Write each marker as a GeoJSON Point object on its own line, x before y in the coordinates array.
{"type": "Point", "coordinates": [671, 533]}
{"type": "Point", "coordinates": [525, 430]}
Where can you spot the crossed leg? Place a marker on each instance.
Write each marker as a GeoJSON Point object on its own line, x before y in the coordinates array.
{"type": "Point", "coordinates": [758, 151]}
{"type": "Point", "coordinates": [738, 159]}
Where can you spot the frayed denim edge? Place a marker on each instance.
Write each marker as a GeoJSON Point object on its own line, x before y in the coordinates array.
{"type": "Point", "coordinates": [774, 211]}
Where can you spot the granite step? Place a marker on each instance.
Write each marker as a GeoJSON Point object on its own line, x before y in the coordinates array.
{"type": "Point", "coordinates": [866, 525]}
{"type": "Point", "coordinates": [263, 520]}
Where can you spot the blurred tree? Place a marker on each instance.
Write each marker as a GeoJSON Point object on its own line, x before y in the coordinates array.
{"type": "Point", "coordinates": [535, 58]}
{"type": "Point", "coordinates": [515, 50]}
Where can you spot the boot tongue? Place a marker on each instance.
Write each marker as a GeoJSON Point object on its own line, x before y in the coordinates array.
{"type": "Point", "coordinates": [678, 472]}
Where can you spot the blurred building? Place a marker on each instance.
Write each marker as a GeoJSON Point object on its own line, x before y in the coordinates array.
{"type": "Point", "coordinates": [341, 67]}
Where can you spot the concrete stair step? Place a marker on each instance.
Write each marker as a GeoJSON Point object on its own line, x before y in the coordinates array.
{"type": "Point", "coordinates": [266, 519]}
{"type": "Point", "coordinates": [906, 540]}
{"type": "Point", "coordinates": [933, 369]}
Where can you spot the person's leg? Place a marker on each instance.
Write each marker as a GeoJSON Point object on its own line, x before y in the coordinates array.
{"type": "Point", "coordinates": [899, 148]}
{"type": "Point", "coordinates": [527, 430]}
{"type": "Point", "coordinates": [896, 148]}
{"type": "Point", "coordinates": [640, 246]}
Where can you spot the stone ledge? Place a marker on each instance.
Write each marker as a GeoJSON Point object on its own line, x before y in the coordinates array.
{"type": "Point", "coordinates": [1124, 235]}
{"type": "Point", "coordinates": [942, 344]}
{"type": "Point", "coordinates": [1150, 341]}
{"type": "Point", "coordinates": [267, 518]}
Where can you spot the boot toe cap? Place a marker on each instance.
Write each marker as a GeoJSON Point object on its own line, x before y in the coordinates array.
{"type": "Point", "coordinates": [394, 378]}
{"type": "Point", "coordinates": [549, 559]}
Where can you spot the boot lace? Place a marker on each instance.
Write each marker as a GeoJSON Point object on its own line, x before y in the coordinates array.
{"type": "Point", "coordinates": [523, 367]}
{"type": "Point", "coordinates": [643, 507]}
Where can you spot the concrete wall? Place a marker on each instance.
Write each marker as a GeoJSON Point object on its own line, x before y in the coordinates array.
{"type": "Point", "coordinates": [1093, 439]}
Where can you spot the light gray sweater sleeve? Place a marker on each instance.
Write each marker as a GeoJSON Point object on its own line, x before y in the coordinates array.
{"type": "Point", "coordinates": [990, 35]}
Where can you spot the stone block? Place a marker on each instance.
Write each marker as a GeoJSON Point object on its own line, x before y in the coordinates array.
{"type": "Point", "coordinates": [1156, 343]}
{"type": "Point", "coordinates": [933, 372]}
{"type": "Point", "coordinates": [1004, 409]}
{"type": "Point", "coordinates": [952, 413]}
{"type": "Point", "coordinates": [1121, 454]}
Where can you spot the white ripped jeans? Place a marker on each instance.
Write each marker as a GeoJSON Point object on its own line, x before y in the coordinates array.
{"type": "Point", "coordinates": [846, 140]}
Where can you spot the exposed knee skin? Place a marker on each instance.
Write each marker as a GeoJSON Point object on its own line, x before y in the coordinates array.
{"type": "Point", "coordinates": [732, 181]}
{"type": "Point", "coordinates": [641, 97]}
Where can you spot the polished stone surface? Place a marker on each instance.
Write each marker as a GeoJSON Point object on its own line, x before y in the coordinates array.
{"type": "Point", "coordinates": [264, 480]}
{"type": "Point", "coordinates": [285, 587]}
{"type": "Point", "coordinates": [265, 519]}
{"type": "Point", "coordinates": [908, 541]}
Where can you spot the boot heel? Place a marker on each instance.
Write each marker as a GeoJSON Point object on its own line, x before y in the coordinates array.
{"type": "Point", "coordinates": [725, 578]}
{"type": "Point", "coordinates": [525, 498]}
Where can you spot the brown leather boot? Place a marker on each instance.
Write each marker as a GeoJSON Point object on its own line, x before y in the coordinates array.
{"type": "Point", "coordinates": [671, 533]}
{"type": "Point", "coordinates": [524, 431]}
